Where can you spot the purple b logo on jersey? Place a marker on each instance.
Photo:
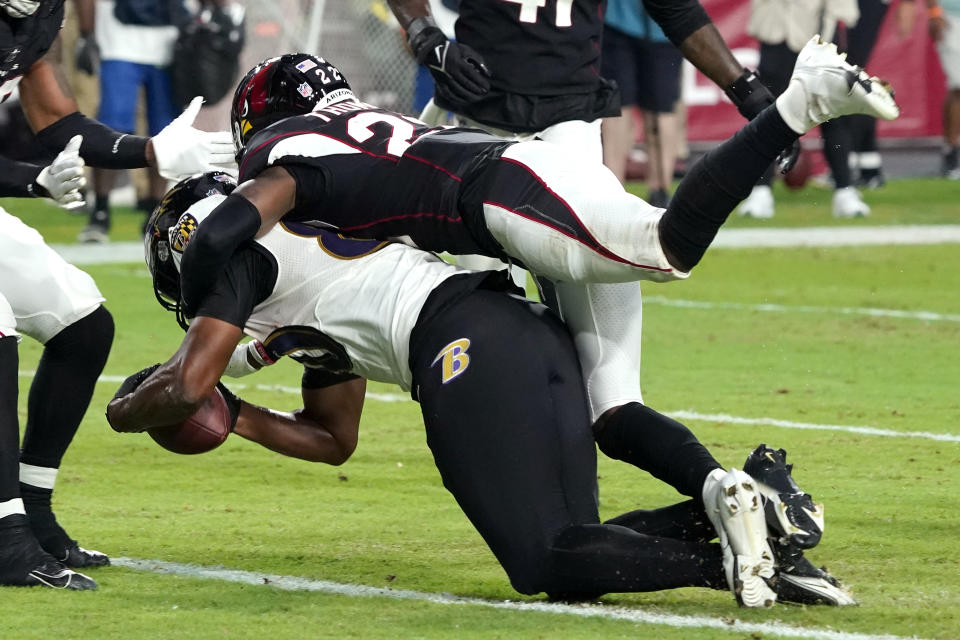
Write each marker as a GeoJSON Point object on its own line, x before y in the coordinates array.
{"type": "Point", "coordinates": [455, 359]}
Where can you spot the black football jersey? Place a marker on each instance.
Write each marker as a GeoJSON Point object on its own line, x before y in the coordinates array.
{"type": "Point", "coordinates": [23, 41]}
{"type": "Point", "coordinates": [371, 173]}
{"type": "Point", "coordinates": [544, 61]}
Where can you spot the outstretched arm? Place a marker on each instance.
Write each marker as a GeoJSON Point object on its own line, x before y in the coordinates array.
{"type": "Point", "coordinates": [177, 388]}
{"type": "Point", "coordinates": [256, 206]}
{"type": "Point", "coordinates": [325, 430]}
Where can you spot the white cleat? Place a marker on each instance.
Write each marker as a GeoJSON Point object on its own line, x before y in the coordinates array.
{"type": "Point", "coordinates": [759, 204]}
{"type": "Point", "coordinates": [735, 509]}
{"type": "Point", "coordinates": [847, 203]}
{"type": "Point", "coordinates": [825, 86]}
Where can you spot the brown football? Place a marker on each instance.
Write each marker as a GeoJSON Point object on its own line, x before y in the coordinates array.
{"type": "Point", "coordinates": [797, 177]}
{"type": "Point", "coordinates": [204, 431]}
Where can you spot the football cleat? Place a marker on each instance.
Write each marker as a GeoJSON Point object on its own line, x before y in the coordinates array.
{"type": "Point", "coordinates": [800, 582]}
{"type": "Point", "coordinates": [734, 507]}
{"type": "Point", "coordinates": [76, 557]}
{"type": "Point", "coordinates": [847, 203]}
{"type": "Point", "coordinates": [759, 204]}
{"type": "Point", "coordinates": [23, 563]}
{"type": "Point", "coordinates": [791, 513]}
{"type": "Point", "coordinates": [825, 86]}
{"type": "Point", "coordinates": [55, 575]}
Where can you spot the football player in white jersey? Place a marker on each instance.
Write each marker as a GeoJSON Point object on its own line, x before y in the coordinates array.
{"type": "Point", "coordinates": [43, 297]}
{"type": "Point", "coordinates": [457, 339]}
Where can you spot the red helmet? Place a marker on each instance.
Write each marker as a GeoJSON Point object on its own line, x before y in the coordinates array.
{"type": "Point", "coordinates": [277, 88]}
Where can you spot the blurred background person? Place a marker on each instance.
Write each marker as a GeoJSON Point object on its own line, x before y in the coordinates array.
{"type": "Point", "coordinates": [783, 27]}
{"type": "Point", "coordinates": [944, 27]}
{"type": "Point", "coordinates": [646, 66]}
{"type": "Point", "coordinates": [133, 40]}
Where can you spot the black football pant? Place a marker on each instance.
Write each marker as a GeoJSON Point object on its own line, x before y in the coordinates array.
{"type": "Point", "coordinates": [506, 419]}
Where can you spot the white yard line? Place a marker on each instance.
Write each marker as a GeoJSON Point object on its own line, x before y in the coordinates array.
{"type": "Point", "coordinates": [930, 316]}
{"type": "Point", "coordinates": [293, 583]}
{"type": "Point", "coordinates": [753, 238]}
{"type": "Point", "coordinates": [678, 415]}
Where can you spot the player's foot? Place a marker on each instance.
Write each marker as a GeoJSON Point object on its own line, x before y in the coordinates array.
{"type": "Point", "coordinates": [800, 582]}
{"type": "Point", "coordinates": [23, 563]}
{"type": "Point", "coordinates": [951, 163]}
{"type": "Point", "coordinates": [734, 507]}
{"type": "Point", "coordinates": [759, 204]}
{"type": "Point", "coordinates": [847, 203]}
{"type": "Point", "coordinates": [790, 513]}
{"type": "Point", "coordinates": [93, 234]}
{"type": "Point", "coordinates": [825, 86]}
{"type": "Point", "coordinates": [51, 535]}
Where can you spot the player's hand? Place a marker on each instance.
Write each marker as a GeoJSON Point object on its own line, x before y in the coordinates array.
{"type": "Point", "coordinates": [126, 388]}
{"type": "Point", "coordinates": [20, 8]}
{"type": "Point", "coordinates": [749, 95]}
{"type": "Point", "coordinates": [180, 150]}
{"type": "Point", "coordinates": [460, 75]}
{"type": "Point", "coordinates": [64, 180]}
{"type": "Point", "coordinates": [233, 404]}
{"type": "Point", "coordinates": [87, 55]}
{"type": "Point", "coordinates": [788, 157]}
{"type": "Point", "coordinates": [937, 26]}
{"type": "Point", "coordinates": [130, 385]}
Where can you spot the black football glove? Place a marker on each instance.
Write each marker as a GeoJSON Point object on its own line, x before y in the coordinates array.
{"type": "Point", "coordinates": [233, 404]}
{"type": "Point", "coordinates": [751, 96]}
{"type": "Point", "coordinates": [132, 382]}
{"type": "Point", "coordinates": [460, 75]}
{"type": "Point", "coordinates": [87, 55]}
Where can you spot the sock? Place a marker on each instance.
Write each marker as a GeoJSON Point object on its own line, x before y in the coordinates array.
{"type": "Point", "coordinates": [659, 445]}
{"type": "Point", "coordinates": [43, 523]}
{"type": "Point", "coordinates": [101, 203]}
{"type": "Point", "coordinates": [63, 386]}
{"type": "Point", "coordinates": [9, 426]}
{"type": "Point", "coordinates": [11, 507]}
{"type": "Point", "coordinates": [717, 184]}
{"type": "Point", "coordinates": [684, 521]}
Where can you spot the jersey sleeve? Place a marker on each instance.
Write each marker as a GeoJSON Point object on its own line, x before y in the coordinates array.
{"type": "Point", "coordinates": [246, 282]}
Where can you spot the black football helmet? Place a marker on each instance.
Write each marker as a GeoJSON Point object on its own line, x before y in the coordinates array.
{"type": "Point", "coordinates": [277, 88]}
{"type": "Point", "coordinates": [165, 233]}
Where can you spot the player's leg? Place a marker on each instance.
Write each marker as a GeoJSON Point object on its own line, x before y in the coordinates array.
{"type": "Point", "coordinates": [522, 465]}
{"type": "Point", "coordinates": [22, 561]}
{"type": "Point", "coordinates": [571, 220]}
{"type": "Point", "coordinates": [776, 62]}
{"type": "Point", "coordinates": [58, 305]}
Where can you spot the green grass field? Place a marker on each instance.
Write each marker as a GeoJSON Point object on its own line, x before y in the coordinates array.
{"type": "Point", "coordinates": [384, 520]}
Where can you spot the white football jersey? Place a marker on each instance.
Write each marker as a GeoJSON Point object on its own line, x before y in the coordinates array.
{"type": "Point", "coordinates": [364, 295]}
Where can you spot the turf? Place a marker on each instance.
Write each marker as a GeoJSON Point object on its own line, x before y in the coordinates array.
{"type": "Point", "coordinates": [384, 520]}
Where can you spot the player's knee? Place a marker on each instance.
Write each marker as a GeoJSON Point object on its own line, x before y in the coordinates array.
{"type": "Point", "coordinates": [91, 336]}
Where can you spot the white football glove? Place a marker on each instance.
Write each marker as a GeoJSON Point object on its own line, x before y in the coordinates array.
{"type": "Point", "coordinates": [64, 179]}
{"type": "Point", "coordinates": [20, 8]}
{"type": "Point", "coordinates": [182, 150]}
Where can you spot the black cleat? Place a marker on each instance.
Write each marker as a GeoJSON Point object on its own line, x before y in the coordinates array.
{"type": "Point", "coordinates": [800, 582]}
{"type": "Point", "coordinates": [790, 512]}
{"type": "Point", "coordinates": [51, 535]}
{"type": "Point", "coordinates": [76, 557]}
{"type": "Point", "coordinates": [55, 575]}
{"type": "Point", "coordinates": [23, 563]}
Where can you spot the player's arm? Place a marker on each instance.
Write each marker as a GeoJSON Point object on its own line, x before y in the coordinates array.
{"type": "Point", "coordinates": [458, 71]}
{"type": "Point", "coordinates": [324, 430]}
{"type": "Point", "coordinates": [177, 151]}
{"type": "Point", "coordinates": [63, 179]}
{"type": "Point", "coordinates": [689, 27]}
{"type": "Point", "coordinates": [254, 207]}
{"type": "Point", "coordinates": [176, 389]}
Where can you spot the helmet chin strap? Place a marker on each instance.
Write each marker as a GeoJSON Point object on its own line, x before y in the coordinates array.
{"type": "Point", "coordinates": [20, 8]}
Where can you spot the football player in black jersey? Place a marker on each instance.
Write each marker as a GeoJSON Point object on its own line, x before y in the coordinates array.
{"type": "Point", "coordinates": [47, 299]}
{"type": "Point", "coordinates": [312, 153]}
{"type": "Point", "coordinates": [503, 404]}
{"type": "Point", "coordinates": [531, 70]}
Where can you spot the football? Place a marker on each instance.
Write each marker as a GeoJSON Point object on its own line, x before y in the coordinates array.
{"type": "Point", "coordinates": [204, 431]}
{"type": "Point", "coordinates": [797, 177]}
